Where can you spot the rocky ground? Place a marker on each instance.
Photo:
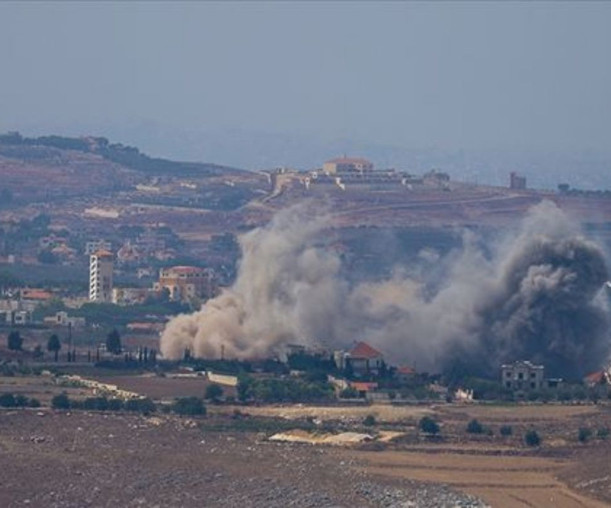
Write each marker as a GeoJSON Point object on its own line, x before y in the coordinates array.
{"type": "Point", "coordinates": [60, 459]}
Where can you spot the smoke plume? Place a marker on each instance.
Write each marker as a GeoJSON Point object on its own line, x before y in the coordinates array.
{"type": "Point", "coordinates": [534, 295]}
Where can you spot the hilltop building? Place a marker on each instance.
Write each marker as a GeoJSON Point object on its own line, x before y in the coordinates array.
{"type": "Point", "coordinates": [100, 276]}
{"type": "Point", "coordinates": [347, 164]}
{"type": "Point", "coordinates": [186, 282]}
{"type": "Point", "coordinates": [517, 182]}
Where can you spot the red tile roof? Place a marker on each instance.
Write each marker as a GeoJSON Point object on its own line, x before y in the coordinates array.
{"type": "Point", "coordinates": [363, 386]}
{"type": "Point", "coordinates": [406, 371]}
{"type": "Point", "coordinates": [364, 350]}
{"type": "Point", "coordinates": [596, 378]}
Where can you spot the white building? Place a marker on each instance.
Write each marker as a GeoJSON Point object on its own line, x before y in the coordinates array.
{"type": "Point", "coordinates": [96, 245]}
{"type": "Point", "coordinates": [100, 276]}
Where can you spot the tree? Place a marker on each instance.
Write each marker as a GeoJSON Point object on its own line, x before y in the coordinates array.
{"type": "Point", "coordinates": [189, 406]}
{"type": "Point", "coordinates": [506, 430]}
{"type": "Point", "coordinates": [245, 388]}
{"type": "Point", "coordinates": [60, 401]}
{"type": "Point", "coordinates": [474, 427]}
{"type": "Point", "coordinates": [54, 345]}
{"type": "Point", "coordinates": [583, 434]}
{"type": "Point", "coordinates": [15, 341]}
{"type": "Point", "coordinates": [214, 392]}
{"type": "Point", "coordinates": [531, 438]}
{"type": "Point", "coordinates": [369, 420]}
{"type": "Point", "coordinates": [113, 342]}
{"type": "Point", "coordinates": [428, 425]}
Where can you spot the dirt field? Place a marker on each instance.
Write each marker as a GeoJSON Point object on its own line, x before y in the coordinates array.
{"type": "Point", "coordinates": [504, 481]}
{"type": "Point", "coordinates": [382, 412]}
{"type": "Point", "coordinates": [78, 459]}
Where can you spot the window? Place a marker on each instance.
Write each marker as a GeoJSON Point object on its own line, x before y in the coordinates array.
{"type": "Point", "coordinates": [521, 375]}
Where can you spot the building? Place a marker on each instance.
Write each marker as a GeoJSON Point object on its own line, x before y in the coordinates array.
{"type": "Point", "coordinates": [62, 318]}
{"type": "Point", "coordinates": [100, 276]}
{"type": "Point", "coordinates": [522, 375]}
{"type": "Point", "coordinates": [362, 359]}
{"type": "Point", "coordinates": [517, 182]}
{"type": "Point", "coordinates": [184, 283]}
{"type": "Point", "coordinates": [347, 164]}
{"type": "Point", "coordinates": [96, 245]}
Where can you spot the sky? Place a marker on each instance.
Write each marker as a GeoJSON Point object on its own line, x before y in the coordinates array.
{"type": "Point", "coordinates": [447, 75]}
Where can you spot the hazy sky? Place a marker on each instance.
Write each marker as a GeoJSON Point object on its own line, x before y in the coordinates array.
{"type": "Point", "coordinates": [452, 75]}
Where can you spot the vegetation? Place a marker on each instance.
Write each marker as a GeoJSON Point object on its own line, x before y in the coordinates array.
{"type": "Point", "coordinates": [54, 345]}
{"type": "Point", "coordinates": [214, 392]}
{"type": "Point", "coordinates": [602, 433]}
{"type": "Point", "coordinates": [61, 401]}
{"type": "Point", "coordinates": [9, 400]}
{"type": "Point", "coordinates": [113, 342]}
{"type": "Point", "coordinates": [369, 420]}
{"type": "Point", "coordinates": [532, 438]}
{"type": "Point", "coordinates": [583, 434]}
{"type": "Point", "coordinates": [348, 393]}
{"type": "Point", "coordinates": [15, 341]}
{"type": "Point", "coordinates": [429, 426]}
{"type": "Point", "coordinates": [506, 430]}
{"type": "Point", "coordinates": [191, 406]}
{"type": "Point", "coordinates": [474, 427]}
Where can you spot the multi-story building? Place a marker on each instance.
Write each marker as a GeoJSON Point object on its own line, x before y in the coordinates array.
{"type": "Point", "coordinates": [186, 282]}
{"type": "Point", "coordinates": [347, 164]}
{"type": "Point", "coordinates": [522, 375]}
{"type": "Point", "coordinates": [517, 182]}
{"type": "Point", "coordinates": [100, 276]}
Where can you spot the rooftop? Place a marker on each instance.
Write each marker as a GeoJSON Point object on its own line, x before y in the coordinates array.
{"type": "Point", "coordinates": [364, 350]}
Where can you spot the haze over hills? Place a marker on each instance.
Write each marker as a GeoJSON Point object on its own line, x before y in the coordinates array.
{"type": "Point", "coordinates": [259, 149]}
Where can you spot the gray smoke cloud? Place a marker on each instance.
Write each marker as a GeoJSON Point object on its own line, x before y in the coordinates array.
{"type": "Point", "coordinates": [286, 291]}
{"type": "Point", "coordinates": [534, 295]}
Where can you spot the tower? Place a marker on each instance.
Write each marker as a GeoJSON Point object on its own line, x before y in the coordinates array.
{"type": "Point", "coordinates": [100, 276]}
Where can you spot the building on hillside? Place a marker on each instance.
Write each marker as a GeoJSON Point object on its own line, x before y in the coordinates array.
{"type": "Point", "coordinates": [517, 182]}
{"type": "Point", "coordinates": [62, 318]}
{"type": "Point", "coordinates": [100, 276]}
{"type": "Point", "coordinates": [131, 296]}
{"type": "Point", "coordinates": [600, 377]}
{"type": "Point", "coordinates": [347, 164]}
{"type": "Point", "coordinates": [362, 359]}
{"type": "Point", "coordinates": [186, 282]}
{"type": "Point", "coordinates": [522, 375]}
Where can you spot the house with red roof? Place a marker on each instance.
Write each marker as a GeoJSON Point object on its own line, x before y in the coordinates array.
{"type": "Point", "coordinates": [364, 359]}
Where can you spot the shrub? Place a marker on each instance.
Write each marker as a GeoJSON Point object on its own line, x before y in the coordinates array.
{"type": "Point", "coordinates": [392, 395]}
{"type": "Point", "coordinates": [474, 427]}
{"type": "Point", "coordinates": [506, 430]}
{"type": "Point", "coordinates": [583, 434]}
{"type": "Point", "coordinates": [21, 400]}
{"type": "Point", "coordinates": [369, 420]}
{"type": "Point", "coordinates": [33, 402]}
{"type": "Point", "coordinates": [144, 406]}
{"type": "Point", "coordinates": [213, 392]}
{"type": "Point", "coordinates": [531, 438]}
{"type": "Point", "coordinates": [428, 425]}
{"type": "Point", "coordinates": [602, 433]}
{"type": "Point", "coordinates": [7, 400]}
{"type": "Point", "coordinates": [61, 401]}
{"type": "Point", "coordinates": [348, 393]}
{"type": "Point", "coordinates": [96, 403]}
{"type": "Point", "coordinates": [189, 406]}
{"type": "Point", "coordinates": [115, 404]}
